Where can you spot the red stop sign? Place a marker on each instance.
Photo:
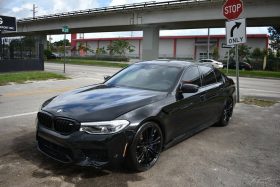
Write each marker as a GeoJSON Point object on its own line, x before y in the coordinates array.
{"type": "Point", "coordinates": [232, 9]}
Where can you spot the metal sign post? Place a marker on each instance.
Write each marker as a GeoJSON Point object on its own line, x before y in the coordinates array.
{"type": "Point", "coordinates": [236, 34]}
{"type": "Point", "coordinates": [64, 52]}
{"type": "Point", "coordinates": [65, 29]}
{"type": "Point", "coordinates": [1, 51]}
{"type": "Point", "coordinates": [228, 60]}
{"type": "Point", "coordinates": [237, 73]}
{"type": "Point", "coordinates": [227, 47]}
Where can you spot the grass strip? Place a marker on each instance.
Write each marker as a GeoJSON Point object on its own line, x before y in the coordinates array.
{"type": "Point", "coordinates": [258, 102]}
{"type": "Point", "coordinates": [255, 74]}
{"type": "Point", "coordinates": [22, 77]}
{"type": "Point", "coordinates": [91, 62]}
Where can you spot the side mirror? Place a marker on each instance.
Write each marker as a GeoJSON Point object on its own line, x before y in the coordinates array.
{"type": "Point", "coordinates": [189, 88]}
{"type": "Point", "coordinates": [107, 77]}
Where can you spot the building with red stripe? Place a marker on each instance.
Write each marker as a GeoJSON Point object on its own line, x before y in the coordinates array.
{"type": "Point", "coordinates": [186, 47]}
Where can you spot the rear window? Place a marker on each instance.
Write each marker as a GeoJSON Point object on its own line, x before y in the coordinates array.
{"type": "Point", "coordinates": [192, 76]}
{"type": "Point", "coordinates": [218, 75]}
{"type": "Point", "coordinates": [208, 75]}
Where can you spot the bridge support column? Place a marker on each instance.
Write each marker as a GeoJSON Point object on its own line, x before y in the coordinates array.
{"type": "Point", "coordinates": [40, 45]}
{"type": "Point", "coordinates": [41, 40]}
{"type": "Point", "coordinates": [150, 45]}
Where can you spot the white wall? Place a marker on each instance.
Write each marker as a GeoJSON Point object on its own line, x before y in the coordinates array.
{"type": "Point", "coordinates": [166, 48]}
{"type": "Point", "coordinates": [185, 48]}
{"type": "Point", "coordinates": [104, 44]}
{"type": "Point", "coordinates": [256, 42]}
{"type": "Point", "coordinates": [93, 46]}
{"type": "Point", "coordinates": [135, 53]}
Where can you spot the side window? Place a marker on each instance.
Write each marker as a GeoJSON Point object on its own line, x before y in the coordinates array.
{"type": "Point", "coordinates": [208, 76]}
{"type": "Point", "coordinates": [218, 74]}
{"type": "Point", "coordinates": [192, 76]}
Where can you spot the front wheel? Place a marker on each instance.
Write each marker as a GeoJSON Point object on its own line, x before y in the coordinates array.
{"type": "Point", "coordinates": [226, 113]}
{"type": "Point", "coordinates": [146, 147]}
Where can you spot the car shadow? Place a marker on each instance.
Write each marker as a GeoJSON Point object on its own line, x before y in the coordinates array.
{"type": "Point", "coordinates": [25, 147]}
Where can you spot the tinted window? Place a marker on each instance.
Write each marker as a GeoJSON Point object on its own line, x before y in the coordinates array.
{"type": "Point", "coordinates": [208, 75]}
{"type": "Point", "coordinates": [218, 75]}
{"type": "Point", "coordinates": [192, 76]}
{"type": "Point", "coordinates": [147, 76]}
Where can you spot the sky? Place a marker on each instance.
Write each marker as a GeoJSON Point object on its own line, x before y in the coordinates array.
{"type": "Point", "coordinates": [23, 9]}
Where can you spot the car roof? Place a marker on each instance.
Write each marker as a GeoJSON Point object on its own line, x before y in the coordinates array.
{"type": "Point", "coordinates": [206, 59]}
{"type": "Point", "coordinates": [167, 62]}
{"type": "Point", "coordinates": [175, 63]}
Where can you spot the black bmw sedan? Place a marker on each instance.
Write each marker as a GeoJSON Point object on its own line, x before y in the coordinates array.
{"type": "Point", "coordinates": [135, 114]}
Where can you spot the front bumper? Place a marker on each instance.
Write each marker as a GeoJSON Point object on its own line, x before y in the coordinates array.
{"type": "Point", "coordinates": [84, 149]}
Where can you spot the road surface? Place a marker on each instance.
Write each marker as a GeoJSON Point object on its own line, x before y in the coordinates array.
{"type": "Point", "coordinates": [245, 153]}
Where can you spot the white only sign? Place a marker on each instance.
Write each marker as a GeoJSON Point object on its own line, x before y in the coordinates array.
{"type": "Point", "coordinates": [236, 31]}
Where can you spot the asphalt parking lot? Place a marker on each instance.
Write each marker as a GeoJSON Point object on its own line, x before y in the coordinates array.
{"type": "Point", "coordinates": [245, 153]}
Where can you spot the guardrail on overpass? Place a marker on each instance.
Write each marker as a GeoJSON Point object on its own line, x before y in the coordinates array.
{"type": "Point", "coordinates": [182, 14]}
{"type": "Point", "coordinates": [125, 7]}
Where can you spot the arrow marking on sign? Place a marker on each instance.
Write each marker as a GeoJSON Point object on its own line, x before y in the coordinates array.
{"type": "Point", "coordinates": [237, 25]}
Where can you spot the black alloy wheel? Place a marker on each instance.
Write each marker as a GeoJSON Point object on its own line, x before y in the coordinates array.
{"type": "Point", "coordinates": [146, 147]}
{"type": "Point", "coordinates": [227, 113]}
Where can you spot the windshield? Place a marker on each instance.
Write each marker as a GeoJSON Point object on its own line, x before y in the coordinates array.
{"type": "Point", "coordinates": [147, 76]}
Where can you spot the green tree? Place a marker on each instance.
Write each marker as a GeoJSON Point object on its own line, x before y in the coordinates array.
{"type": "Point", "coordinates": [278, 53]}
{"type": "Point", "coordinates": [274, 36]}
{"type": "Point", "coordinates": [58, 46]}
{"type": "Point", "coordinates": [243, 52]}
{"type": "Point", "coordinates": [82, 47]}
{"type": "Point", "coordinates": [270, 54]}
{"type": "Point", "coordinates": [120, 47]}
{"type": "Point", "coordinates": [61, 43]}
{"type": "Point", "coordinates": [216, 54]}
{"type": "Point", "coordinates": [257, 54]}
{"type": "Point", "coordinates": [100, 51]}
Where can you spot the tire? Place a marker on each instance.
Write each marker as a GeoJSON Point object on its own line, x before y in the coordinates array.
{"type": "Point", "coordinates": [146, 147]}
{"type": "Point", "coordinates": [226, 113]}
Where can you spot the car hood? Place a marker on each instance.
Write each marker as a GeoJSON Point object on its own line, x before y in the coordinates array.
{"type": "Point", "coordinates": [100, 102]}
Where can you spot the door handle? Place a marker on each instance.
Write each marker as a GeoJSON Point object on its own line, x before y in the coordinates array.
{"type": "Point", "coordinates": [186, 106]}
{"type": "Point", "coordinates": [203, 97]}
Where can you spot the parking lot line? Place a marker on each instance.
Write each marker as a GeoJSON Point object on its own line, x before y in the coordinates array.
{"type": "Point", "coordinates": [18, 115]}
{"type": "Point", "coordinates": [37, 92]}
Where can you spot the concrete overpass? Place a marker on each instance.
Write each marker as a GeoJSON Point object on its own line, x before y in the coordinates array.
{"type": "Point", "coordinates": [150, 17]}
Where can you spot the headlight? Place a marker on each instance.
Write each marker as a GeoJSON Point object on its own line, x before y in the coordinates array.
{"type": "Point", "coordinates": [104, 127]}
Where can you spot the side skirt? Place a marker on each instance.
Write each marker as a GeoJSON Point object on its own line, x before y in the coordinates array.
{"type": "Point", "coordinates": [184, 136]}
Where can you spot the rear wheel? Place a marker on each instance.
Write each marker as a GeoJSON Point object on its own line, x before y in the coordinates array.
{"type": "Point", "coordinates": [146, 147]}
{"type": "Point", "coordinates": [226, 113]}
